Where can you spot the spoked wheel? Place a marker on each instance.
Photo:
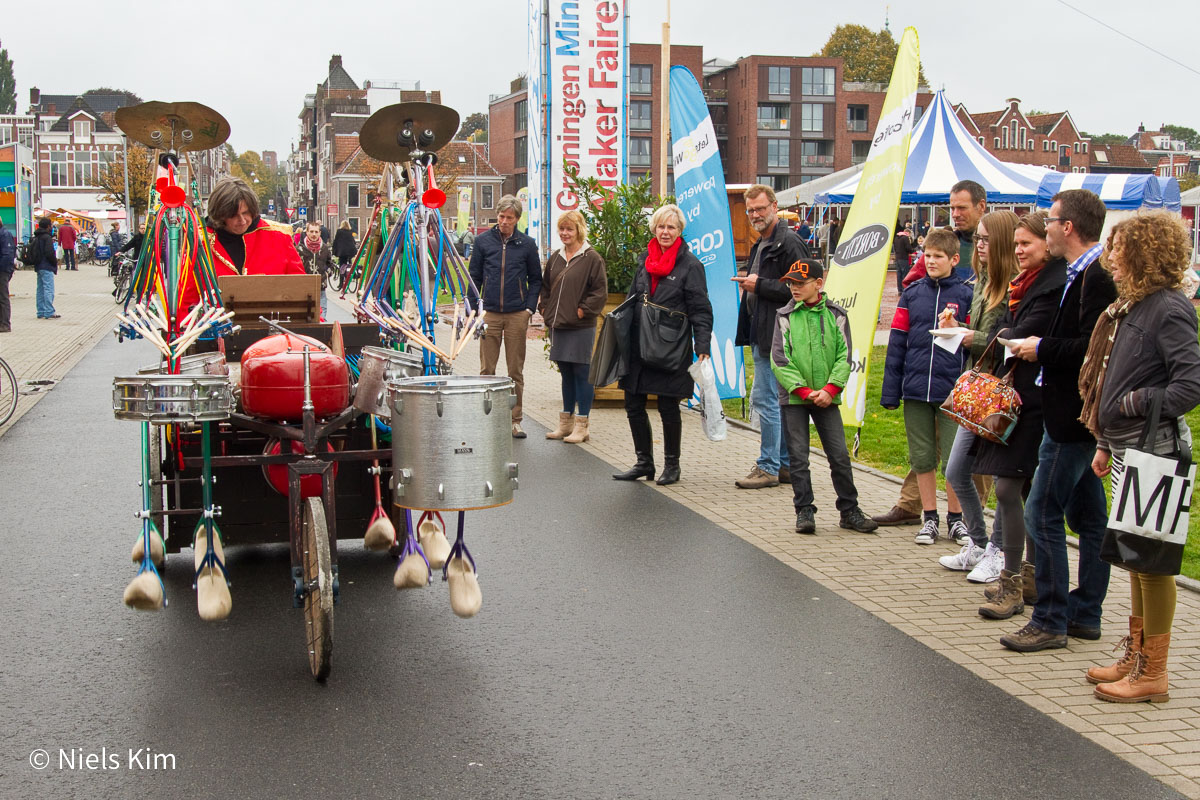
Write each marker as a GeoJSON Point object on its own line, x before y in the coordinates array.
{"type": "Point", "coordinates": [8, 392]}
{"type": "Point", "coordinates": [123, 286]}
{"type": "Point", "coordinates": [318, 580]}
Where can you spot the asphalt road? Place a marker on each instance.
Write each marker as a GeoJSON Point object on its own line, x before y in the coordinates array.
{"type": "Point", "coordinates": [626, 648]}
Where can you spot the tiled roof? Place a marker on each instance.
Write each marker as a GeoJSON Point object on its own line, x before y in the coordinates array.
{"type": "Point", "coordinates": [474, 161]}
{"type": "Point", "coordinates": [1123, 155]}
{"type": "Point", "coordinates": [344, 148]}
{"type": "Point", "coordinates": [64, 122]}
{"type": "Point", "coordinates": [987, 119]}
{"type": "Point", "coordinates": [1044, 123]}
{"type": "Point", "coordinates": [339, 79]}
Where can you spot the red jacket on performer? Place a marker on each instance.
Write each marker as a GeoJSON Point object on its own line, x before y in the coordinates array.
{"type": "Point", "coordinates": [269, 251]}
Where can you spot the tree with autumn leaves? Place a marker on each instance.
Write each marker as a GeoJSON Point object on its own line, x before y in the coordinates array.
{"type": "Point", "coordinates": [142, 169]}
{"type": "Point", "coordinates": [868, 56]}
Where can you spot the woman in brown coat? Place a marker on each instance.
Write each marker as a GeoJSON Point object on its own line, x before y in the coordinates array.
{"type": "Point", "coordinates": [574, 288]}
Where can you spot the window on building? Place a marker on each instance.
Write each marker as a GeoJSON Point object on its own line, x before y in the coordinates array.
{"type": "Point", "coordinates": [520, 152]}
{"type": "Point", "coordinates": [776, 182]}
{"type": "Point", "coordinates": [1077, 147]}
{"type": "Point", "coordinates": [82, 129]}
{"type": "Point", "coordinates": [1012, 126]}
{"type": "Point", "coordinates": [779, 152]}
{"type": "Point", "coordinates": [635, 177]}
{"type": "Point", "coordinates": [996, 143]}
{"type": "Point", "coordinates": [107, 159]}
{"type": "Point", "coordinates": [1085, 147]}
{"type": "Point", "coordinates": [81, 168]}
{"type": "Point", "coordinates": [639, 151]}
{"type": "Point", "coordinates": [812, 117]}
{"type": "Point", "coordinates": [58, 168]}
{"type": "Point", "coordinates": [640, 78]}
{"type": "Point", "coordinates": [521, 116]}
{"type": "Point", "coordinates": [856, 119]}
{"type": "Point", "coordinates": [485, 196]}
{"type": "Point", "coordinates": [774, 116]}
{"type": "Point", "coordinates": [1045, 146]}
{"type": "Point", "coordinates": [25, 137]}
{"type": "Point", "coordinates": [817, 81]}
{"type": "Point", "coordinates": [352, 195]}
{"type": "Point", "coordinates": [1023, 132]}
{"type": "Point", "coordinates": [859, 151]}
{"type": "Point", "coordinates": [918, 112]}
{"type": "Point", "coordinates": [353, 224]}
{"type": "Point", "coordinates": [1004, 136]}
{"type": "Point", "coordinates": [779, 80]}
{"type": "Point", "coordinates": [639, 115]}
{"type": "Point", "coordinates": [6, 134]}
{"type": "Point", "coordinates": [817, 153]}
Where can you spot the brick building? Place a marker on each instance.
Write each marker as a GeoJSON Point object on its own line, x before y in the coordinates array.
{"type": "Point", "coordinates": [1122, 158]}
{"type": "Point", "coordinates": [1047, 140]}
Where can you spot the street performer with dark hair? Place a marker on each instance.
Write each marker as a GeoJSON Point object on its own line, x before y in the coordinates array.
{"type": "Point", "coordinates": [242, 242]}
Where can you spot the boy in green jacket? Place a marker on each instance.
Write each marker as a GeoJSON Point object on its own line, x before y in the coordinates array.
{"type": "Point", "coordinates": [810, 359]}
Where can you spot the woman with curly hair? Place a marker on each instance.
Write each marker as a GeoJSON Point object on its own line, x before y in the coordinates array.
{"type": "Point", "coordinates": [1142, 349]}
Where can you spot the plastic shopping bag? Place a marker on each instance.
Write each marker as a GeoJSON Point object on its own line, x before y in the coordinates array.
{"type": "Point", "coordinates": [711, 412]}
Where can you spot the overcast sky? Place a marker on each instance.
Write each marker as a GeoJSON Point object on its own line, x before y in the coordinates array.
{"type": "Point", "coordinates": [257, 68]}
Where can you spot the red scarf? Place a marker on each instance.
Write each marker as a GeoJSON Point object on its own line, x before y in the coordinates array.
{"type": "Point", "coordinates": [314, 246]}
{"type": "Point", "coordinates": [660, 262]}
{"type": "Point", "coordinates": [1019, 285]}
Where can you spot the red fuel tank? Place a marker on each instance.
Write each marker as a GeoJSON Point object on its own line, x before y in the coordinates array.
{"type": "Point", "coordinates": [273, 378]}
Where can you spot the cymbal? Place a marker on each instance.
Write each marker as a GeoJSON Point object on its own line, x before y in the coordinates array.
{"type": "Point", "coordinates": [196, 126]}
{"type": "Point", "coordinates": [392, 132]}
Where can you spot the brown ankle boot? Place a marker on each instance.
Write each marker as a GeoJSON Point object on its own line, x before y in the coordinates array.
{"type": "Point", "coordinates": [1007, 601]}
{"type": "Point", "coordinates": [1028, 586]}
{"type": "Point", "coordinates": [1147, 680]}
{"type": "Point", "coordinates": [565, 419]}
{"type": "Point", "coordinates": [1132, 644]}
{"type": "Point", "coordinates": [580, 432]}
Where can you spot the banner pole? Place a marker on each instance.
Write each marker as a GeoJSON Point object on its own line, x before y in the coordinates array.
{"type": "Point", "coordinates": [664, 126]}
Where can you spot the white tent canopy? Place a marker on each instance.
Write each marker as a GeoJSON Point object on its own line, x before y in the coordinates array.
{"type": "Point", "coordinates": [805, 194]}
{"type": "Point", "coordinates": [940, 154]}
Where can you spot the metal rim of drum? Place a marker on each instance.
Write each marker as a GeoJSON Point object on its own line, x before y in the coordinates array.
{"type": "Point", "coordinates": [141, 404]}
{"type": "Point", "coordinates": [378, 366]}
{"type": "Point", "coordinates": [194, 364]}
{"type": "Point", "coordinates": [443, 385]}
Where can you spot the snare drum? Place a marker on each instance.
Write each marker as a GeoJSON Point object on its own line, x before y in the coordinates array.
{"type": "Point", "coordinates": [169, 399]}
{"type": "Point", "coordinates": [194, 364]}
{"type": "Point", "coordinates": [377, 367]}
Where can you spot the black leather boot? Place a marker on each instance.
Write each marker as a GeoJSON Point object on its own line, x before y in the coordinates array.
{"type": "Point", "coordinates": [670, 473]}
{"type": "Point", "coordinates": [643, 445]}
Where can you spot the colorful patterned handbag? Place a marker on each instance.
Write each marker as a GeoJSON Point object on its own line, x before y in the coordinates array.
{"type": "Point", "coordinates": [985, 405]}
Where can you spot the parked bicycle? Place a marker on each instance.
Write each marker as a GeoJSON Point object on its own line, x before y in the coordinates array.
{"type": "Point", "coordinates": [122, 271]}
{"type": "Point", "coordinates": [8, 392]}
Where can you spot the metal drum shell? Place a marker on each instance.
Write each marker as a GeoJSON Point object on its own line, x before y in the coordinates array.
{"type": "Point", "coordinates": [452, 442]}
{"type": "Point", "coordinates": [377, 367]}
{"type": "Point", "coordinates": [172, 399]}
{"type": "Point", "coordinates": [194, 364]}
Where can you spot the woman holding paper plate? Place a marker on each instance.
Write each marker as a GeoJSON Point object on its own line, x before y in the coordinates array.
{"type": "Point", "coordinates": [1142, 361]}
{"type": "Point", "coordinates": [1034, 295]}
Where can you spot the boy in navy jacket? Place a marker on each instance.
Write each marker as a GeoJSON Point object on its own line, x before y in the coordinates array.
{"type": "Point", "coordinates": [922, 374]}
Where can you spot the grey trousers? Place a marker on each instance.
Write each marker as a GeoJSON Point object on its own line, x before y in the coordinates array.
{"type": "Point", "coordinates": [828, 422]}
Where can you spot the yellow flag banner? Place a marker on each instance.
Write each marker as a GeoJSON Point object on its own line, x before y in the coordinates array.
{"type": "Point", "coordinates": [855, 278]}
{"type": "Point", "coordinates": [464, 209]}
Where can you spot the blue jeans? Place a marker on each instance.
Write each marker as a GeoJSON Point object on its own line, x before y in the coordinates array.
{"type": "Point", "coordinates": [1064, 486]}
{"type": "Point", "coordinates": [764, 399]}
{"type": "Point", "coordinates": [577, 390]}
{"type": "Point", "coordinates": [45, 293]}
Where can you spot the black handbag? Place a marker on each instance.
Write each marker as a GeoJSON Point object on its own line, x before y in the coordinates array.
{"type": "Point", "coordinates": [664, 337]}
{"type": "Point", "coordinates": [610, 359]}
{"type": "Point", "coordinates": [1148, 524]}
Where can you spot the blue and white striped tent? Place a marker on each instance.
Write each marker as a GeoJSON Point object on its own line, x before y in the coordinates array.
{"type": "Point", "coordinates": [942, 153]}
{"type": "Point", "coordinates": [1118, 191]}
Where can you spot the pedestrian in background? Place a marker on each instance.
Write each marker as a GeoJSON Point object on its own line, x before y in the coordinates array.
{"type": "Point", "coordinates": [8, 264]}
{"type": "Point", "coordinates": [317, 258]}
{"type": "Point", "coordinates": [66, 240]}
{"type": "Point", "coordinates": [671, 277]}
{"type": "Point", "coordinates": [574, 288]}
{"type": "Point", "coordinates": [1143, 348]}
{"type": "Point", "coordinates": [344, 246]}
{"type": "Point", "coordinates": [46, 264]}
{"type": "Point", "coordinates": [507, 270]}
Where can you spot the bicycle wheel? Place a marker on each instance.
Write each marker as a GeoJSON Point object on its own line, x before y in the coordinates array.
{"type": "Point", "coordinates": [123, 281]}
{"type": "Point", "coordinates": [8, 392]}
{"type": "Point", "coordinates": [318, 580]}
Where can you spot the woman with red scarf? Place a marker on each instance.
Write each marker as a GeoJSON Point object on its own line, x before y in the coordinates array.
{"type": "Point", "coordinates": [671, 277]}
{"type": "Point", "coordinates": [1034, 295]}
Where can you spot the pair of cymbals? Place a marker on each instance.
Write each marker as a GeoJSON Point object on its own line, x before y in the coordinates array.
{"type": "Point", "coordinates": [173, 126]}
{"type": "Point", "coordinates": [392, 132]}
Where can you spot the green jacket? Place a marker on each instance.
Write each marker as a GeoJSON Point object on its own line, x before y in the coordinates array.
{"type": "Point", "coordinates": [811, 349]}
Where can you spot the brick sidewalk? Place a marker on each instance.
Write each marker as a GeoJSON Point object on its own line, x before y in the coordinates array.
{"type": "Point", "coordinates": [47, 349]}
{"type": "Point", "coordinates": [902, 584]}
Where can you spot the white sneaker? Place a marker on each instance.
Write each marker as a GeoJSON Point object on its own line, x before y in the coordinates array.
{"type": "Point", "coordinates": [965, 559]}
{"type": "Point", "coordinates": [989, 567]}
{"type": "Point", "coordinates": [928, 533]}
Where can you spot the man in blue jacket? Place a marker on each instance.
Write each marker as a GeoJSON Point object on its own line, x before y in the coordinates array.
{"type": "Point", "coordinates": [507, 271]}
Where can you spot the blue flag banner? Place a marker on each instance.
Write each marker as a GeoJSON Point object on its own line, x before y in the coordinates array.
{"type": "Point", "coordinates": [700, 192]}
